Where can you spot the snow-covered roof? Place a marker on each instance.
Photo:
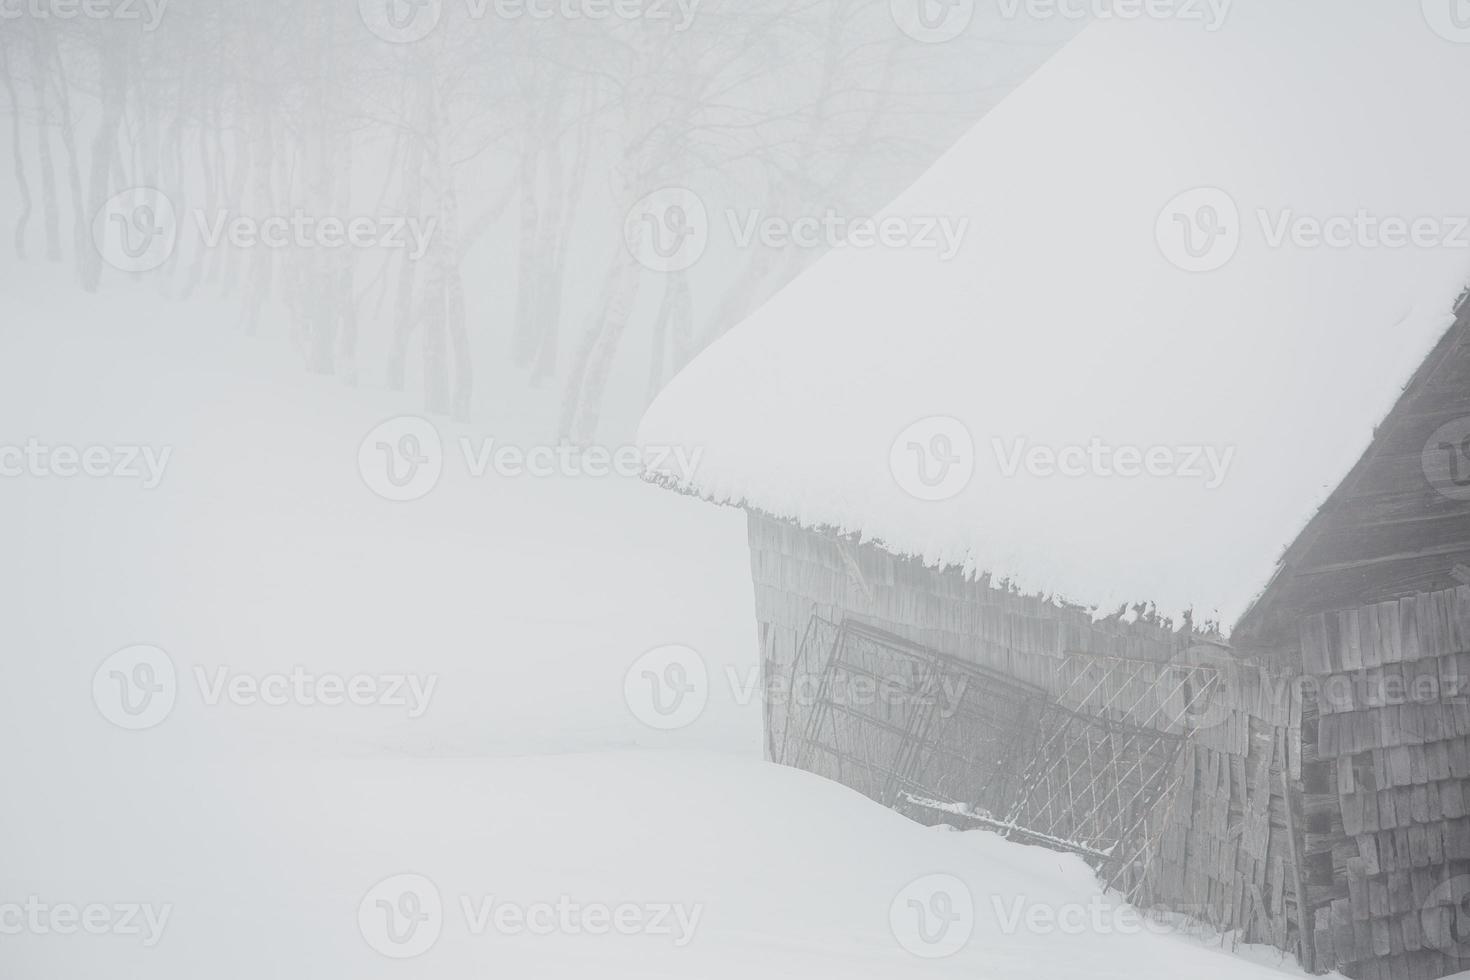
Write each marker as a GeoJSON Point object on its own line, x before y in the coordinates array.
{"type": "Point", "coordinates": [1075, 318]}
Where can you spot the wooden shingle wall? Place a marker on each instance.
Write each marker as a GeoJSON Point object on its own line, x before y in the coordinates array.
{"type": "Point", "coordinates": [1387, 795]}
{"type": "Point", "coordinates": [1227, 852]}
{"type": "Point", "coordinates": [800, 573]}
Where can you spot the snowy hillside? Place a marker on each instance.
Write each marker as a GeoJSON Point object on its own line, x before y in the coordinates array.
{"type": "Point", "coordinates": [558, 833]}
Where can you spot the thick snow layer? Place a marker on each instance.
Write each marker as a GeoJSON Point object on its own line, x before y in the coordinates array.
{"type": "Point", "coordinates": [1068, 323]}
{"type": "Point", "coordinates": [256, 833]}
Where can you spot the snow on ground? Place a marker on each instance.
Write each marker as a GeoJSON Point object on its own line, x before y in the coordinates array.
{"type": "Point", "coordinates": [263, 832]}
{"type": "Point", "coordinates": [1125, 384]}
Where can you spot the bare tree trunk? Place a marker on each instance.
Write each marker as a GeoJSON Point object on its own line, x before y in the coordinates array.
{"type": "Point", "coordinates": [671, 332]}
{"type": "Point", "coordinates": [114, 61]}
{"type": "Point", "coordinates": [344, 262]}
{"type": "Point", "coordinates": [528, 281]}
{"type": "Point", "coordinates": [80, 231]}
{"type": "Point", "coordinates": [20, 164]}
{"type": "Point", "coordinates": [49, 204]}
{"type": "Point", "coordinates": [582, 406]}
{"type": "Point", "coordinates": [462, 396]}
{"type": "Point", "coordinates": [405, 313]}
{"type": "Point", "coordinates": [560, 230]}
{"type": "Point", "coordinates": [240, 144]}
{"type": "Point", "coordinates": [258, 282]}
{"type": "Point", "coordinates": [199, 265]}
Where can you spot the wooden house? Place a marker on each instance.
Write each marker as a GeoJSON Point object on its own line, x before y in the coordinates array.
{"type": "Point", "coordinates": [1103, 660]}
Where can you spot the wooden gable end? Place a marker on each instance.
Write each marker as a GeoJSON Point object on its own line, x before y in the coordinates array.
{"type": "Point", "coordinates": [1399, 523]}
